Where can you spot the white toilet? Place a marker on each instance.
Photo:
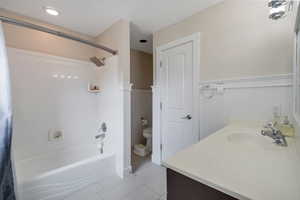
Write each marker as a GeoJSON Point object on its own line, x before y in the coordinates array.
{"type": "Point", "coordinates": [142, 150]}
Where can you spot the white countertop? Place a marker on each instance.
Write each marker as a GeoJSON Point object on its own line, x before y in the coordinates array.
{"type": "Point", "coordinates": [246, 166]}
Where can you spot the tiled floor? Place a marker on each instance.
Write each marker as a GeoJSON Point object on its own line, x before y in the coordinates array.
{"type": "Point", "coordinates": [139, 162]}
{"type": "Point", "coordinates": [148, 183]}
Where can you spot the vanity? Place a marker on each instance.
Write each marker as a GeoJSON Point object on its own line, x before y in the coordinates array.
{"type": "Point", "coordinates": [182, 187]}
{"type": "Point", "coordinates": [236, 162]}
{"type": "Point", "coordinates": [241, 161]}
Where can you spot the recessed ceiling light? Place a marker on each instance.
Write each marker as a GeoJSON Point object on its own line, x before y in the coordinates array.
{"type": "Point", "coordinates": [51, 11]}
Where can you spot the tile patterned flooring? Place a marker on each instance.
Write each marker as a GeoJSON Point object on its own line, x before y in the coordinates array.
{"type": "Point", "coordinates": [147, 183]}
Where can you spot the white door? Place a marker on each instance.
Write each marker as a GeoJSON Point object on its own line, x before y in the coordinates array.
{"type": "Point", "coordinates": [177, 99]}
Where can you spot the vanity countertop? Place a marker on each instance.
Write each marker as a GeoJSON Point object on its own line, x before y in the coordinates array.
{"type": "Point", "coordinates": [239, 161]}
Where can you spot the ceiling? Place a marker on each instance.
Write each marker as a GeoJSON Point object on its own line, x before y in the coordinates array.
{"type": "Point", "coordinates": [92, 17]}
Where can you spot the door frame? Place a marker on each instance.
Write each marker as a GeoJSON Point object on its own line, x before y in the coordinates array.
{"type": "Point", "coordinates": [157, 118]}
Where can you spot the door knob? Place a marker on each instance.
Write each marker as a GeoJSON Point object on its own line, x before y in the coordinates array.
{"type": "Point", "coordinates": [188, 117]}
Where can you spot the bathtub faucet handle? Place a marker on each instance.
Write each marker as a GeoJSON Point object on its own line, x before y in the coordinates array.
{"type": "Point", "coordinates": [103, 127]}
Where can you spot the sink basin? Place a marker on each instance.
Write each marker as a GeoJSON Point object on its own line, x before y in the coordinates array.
{"type": "Point", "coordinates": [250, 139]}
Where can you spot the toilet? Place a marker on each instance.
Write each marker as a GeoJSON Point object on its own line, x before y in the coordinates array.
{"type": "Point", "coordinates": [144, 150]}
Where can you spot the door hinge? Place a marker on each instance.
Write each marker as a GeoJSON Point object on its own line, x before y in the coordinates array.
{"type": "Point", "coordinates": [160, 64]}
{"type": "Point", "coordinates": [160, 106]}
{"type": "Point", "coordinates": [161, 147]}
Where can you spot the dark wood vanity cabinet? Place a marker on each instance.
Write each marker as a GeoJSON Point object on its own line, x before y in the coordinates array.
{"type": "Point", "coordinates": [180, 187]}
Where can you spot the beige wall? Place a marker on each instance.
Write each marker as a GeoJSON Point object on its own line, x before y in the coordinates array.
{"type": "Point", "coordinates": [237, 40]}
{"type": "Point", "coordinates": [27, 39]}
{"type": "Point", "coordinates": [141, 69]}
{"type": "Point", "coordinates": [115, 37]}
{"type": "Point", "coordinates": [118, 38]}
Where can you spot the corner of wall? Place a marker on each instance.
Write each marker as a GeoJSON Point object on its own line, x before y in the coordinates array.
{"type": "Point", "coordinates": [117, 36]}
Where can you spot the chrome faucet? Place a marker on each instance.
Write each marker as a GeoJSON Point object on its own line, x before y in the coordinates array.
{"type": "Point", "coordinates": [271, 131]}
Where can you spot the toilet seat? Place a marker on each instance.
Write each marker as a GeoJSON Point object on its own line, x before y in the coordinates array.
{"type": "Point", "coordinates": [147, 132]}
{"type": "Point", "coordinates": [140, 150]}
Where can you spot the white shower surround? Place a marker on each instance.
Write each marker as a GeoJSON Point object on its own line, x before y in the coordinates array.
{"type": "Point", "coordinates": [43, 100]}
{"type": "Point", "coordinates": [110, 108]}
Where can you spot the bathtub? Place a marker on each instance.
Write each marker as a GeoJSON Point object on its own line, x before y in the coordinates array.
{"type": "Point", "coordinates": [48, 178]}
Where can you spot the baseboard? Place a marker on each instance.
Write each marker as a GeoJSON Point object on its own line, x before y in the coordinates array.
{"type": "Point", "coordinates": [128, 171]}
{"type": "Point", "coordinates": [155, 160]}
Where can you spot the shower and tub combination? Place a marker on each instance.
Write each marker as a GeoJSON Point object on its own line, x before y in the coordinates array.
{"type": "Point", "coordinates": [50, 96]}
{"type": "Point", "coordinates": [64, 134]}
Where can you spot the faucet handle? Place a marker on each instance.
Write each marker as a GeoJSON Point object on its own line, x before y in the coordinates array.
{"type": "Point", "coordinates": [272, 126]}
{"type": "Point", "coordinates": [263, 132]}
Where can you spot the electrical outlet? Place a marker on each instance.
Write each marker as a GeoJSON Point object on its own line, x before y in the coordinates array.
{"type": "Point", "coordinates": [55, 135]}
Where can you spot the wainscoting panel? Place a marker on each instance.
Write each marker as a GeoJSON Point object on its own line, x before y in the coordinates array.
{"type": "Point", "coordinates": [253, 98]}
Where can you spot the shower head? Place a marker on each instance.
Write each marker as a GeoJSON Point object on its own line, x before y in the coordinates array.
{"type": "Point", "coordinates": [98, 62]}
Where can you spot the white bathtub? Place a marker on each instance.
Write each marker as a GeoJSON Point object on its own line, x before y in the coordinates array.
{"type": "Point", "coordinates": [41, 179]}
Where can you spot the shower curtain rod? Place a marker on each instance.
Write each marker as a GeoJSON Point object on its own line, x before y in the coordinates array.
{"type": "Point", "coordinates": [53, 32]}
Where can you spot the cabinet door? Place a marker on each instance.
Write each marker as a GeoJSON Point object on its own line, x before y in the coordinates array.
{"type": "Point", "coordinates": [180, 187]}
